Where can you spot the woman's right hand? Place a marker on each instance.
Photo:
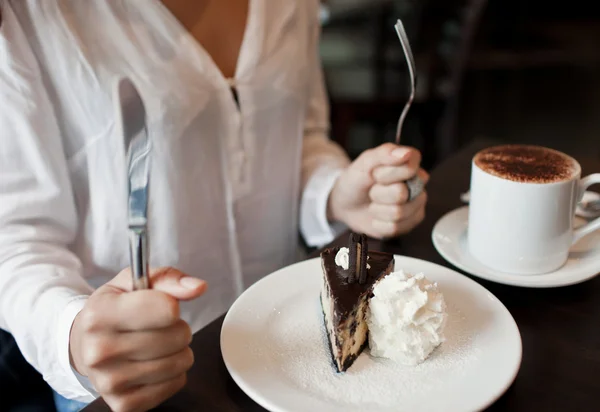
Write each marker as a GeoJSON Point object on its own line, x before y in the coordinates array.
{"type": "Point", "coordinates": [133, 346]}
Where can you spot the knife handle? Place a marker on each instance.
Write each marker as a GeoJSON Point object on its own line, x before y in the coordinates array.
{"type": "Point", "coordinates": [138, 258]}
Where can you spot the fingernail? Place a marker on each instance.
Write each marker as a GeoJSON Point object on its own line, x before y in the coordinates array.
{"type": "Point", "coordinates": [189, 282]}
{"type": "Point", "coordinates": [400, 153]}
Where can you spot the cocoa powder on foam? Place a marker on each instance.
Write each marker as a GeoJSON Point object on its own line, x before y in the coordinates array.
{"type": "Point", "coordinates": [526, 163]}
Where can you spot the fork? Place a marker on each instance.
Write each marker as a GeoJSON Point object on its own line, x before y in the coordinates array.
{"type": "Point", "coordinates": [414, 185]}
{"type": "Point", "coordinates": [410, 60]}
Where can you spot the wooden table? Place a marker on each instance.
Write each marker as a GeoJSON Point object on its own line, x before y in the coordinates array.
{"type": "Point", "coordinates": [560, 327]}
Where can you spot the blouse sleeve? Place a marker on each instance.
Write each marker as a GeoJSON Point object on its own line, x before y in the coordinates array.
{"type": "Point", "coordinates": [322, 159]}
{"type": "Point", "coordinates": [41, 287]}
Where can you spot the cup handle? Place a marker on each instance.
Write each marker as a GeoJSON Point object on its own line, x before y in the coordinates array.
{"type": "Point", "coordinates": [594, 224]}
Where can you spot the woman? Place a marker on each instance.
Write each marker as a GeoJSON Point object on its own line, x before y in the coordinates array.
{"type": "Point", "coordinates": [238, 119]}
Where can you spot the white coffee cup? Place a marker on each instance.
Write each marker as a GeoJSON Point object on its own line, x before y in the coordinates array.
{"type": "Point", "coordinates": [521, 223]}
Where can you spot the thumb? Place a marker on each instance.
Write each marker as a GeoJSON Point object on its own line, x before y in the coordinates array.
{"type": "Point", "coordinates": [167, 279]}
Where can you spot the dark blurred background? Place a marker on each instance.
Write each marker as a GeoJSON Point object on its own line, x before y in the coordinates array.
{"type": "Point", "coordinates": [519, 70]}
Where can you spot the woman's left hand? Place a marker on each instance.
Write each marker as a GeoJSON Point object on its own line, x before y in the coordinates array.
{"type": "Point", "coordinates": [371, 195]}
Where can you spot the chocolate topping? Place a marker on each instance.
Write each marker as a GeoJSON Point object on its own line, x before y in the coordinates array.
{"type": "Point", "coordinates": [346, 294]}
{"type": "Point", "coordinates": [526, 163]}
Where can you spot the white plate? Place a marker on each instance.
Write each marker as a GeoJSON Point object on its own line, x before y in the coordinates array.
{"type": "Point", "coordinates": [273, 344]}
{"type": "Point", "coordinates": [450, 239]}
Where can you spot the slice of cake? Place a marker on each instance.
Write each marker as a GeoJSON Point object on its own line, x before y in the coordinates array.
{"type": "Point", "coordinates": [349, 274]}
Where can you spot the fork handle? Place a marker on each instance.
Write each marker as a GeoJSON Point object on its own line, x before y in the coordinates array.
{"type": "Point", "coordinates": [138, 257]}
{"type": "Point", "coordinates": [415, 187]}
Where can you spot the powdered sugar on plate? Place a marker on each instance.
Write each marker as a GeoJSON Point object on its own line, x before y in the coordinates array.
{"type": "Point", "coordinates": [297, 348]}
{"type": "Point", "coordinates": [274, 346]}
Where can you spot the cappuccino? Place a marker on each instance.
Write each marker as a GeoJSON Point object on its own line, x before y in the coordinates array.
{"type": "Point", "coordinates": [526, 163]}
{"type": "Point", "coordinates": [522, 208]}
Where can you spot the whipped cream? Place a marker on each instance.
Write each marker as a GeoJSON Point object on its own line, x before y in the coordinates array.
{"type": "Point", "coordinates": [406, 318]}
{"type": "Point", "coordinates": [342, 258]}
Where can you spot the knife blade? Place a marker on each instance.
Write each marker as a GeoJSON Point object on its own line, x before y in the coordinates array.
{"type": "Point", "coordinates": [138, 148]}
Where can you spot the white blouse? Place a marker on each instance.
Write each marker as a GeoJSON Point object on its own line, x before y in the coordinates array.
{"type": "Point", "coordinates": [231, 185]}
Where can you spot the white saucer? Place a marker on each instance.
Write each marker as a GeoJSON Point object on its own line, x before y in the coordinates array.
{"type": "Point", "coordinates": [450, 239]}
{"type": "Point", "coordinates": [274, 347]}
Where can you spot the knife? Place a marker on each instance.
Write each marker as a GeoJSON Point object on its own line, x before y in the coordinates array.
{"type": "Point", "coordinates": [138, 148]}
